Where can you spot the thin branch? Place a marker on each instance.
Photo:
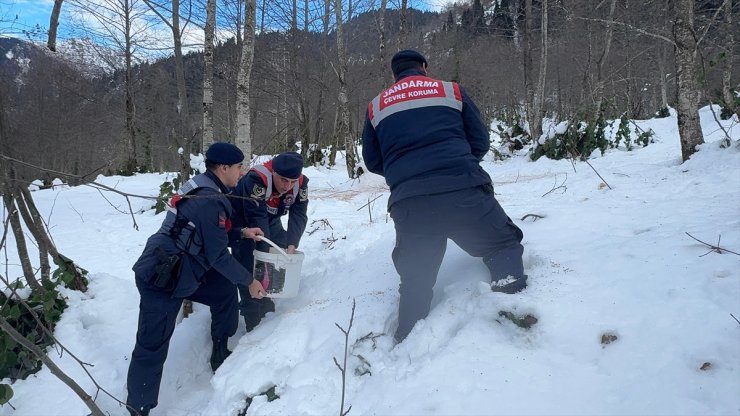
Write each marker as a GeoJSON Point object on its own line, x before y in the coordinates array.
{"type": "Point", "coordinates": [61, 375]}
{"type": "Point", "coordinates": [597, 173]}
{"type": "Point", "coordinates": [130, 209]}
{"type": "Point", "coordinates": [714, 17]}
{"type": "Point", "coordinates": [636, 29]}
{"type": "Point", "coordinates": [368, 203]}
{"type": "Point", "coordinates": [554, 187]}
{"type": "Point", "coordinates": [57, 343]}
{"type": "Point", "coordinates": [714, 114]}
{"type": "Point", "coordinates": [716, 249]}
{"type": "Point", "coordinates": [535, 216]}
{"type": "Point", "coordinates": [733, 317]}
{"type": "Point", "coordinates": [343, 369]}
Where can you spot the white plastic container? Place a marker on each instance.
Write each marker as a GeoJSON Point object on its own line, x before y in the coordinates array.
{"type": "Point", "coordinates": [283, 276]}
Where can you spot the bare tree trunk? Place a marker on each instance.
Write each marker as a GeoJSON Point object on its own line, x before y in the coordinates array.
{"type": "Point", "coordinates": [130, 142]}
{"type": "Point", "coordinates": [208, 75]}
{"type": "Point", "coordinates": [528, 69]}
{"type": "Point", "coordinates": [539, 93]}
{"type": "Point", "coordinates": [20, 239]}
{"type": "Point", "coordinates": [687, 89]}
{"type": "Point", "coordinates": [381, 36]}
{"type": "Point", "coordinates": [182, 100]}
{"type": "Point", "coordinates": [729, 45]}
{"type": "Point", "coordinates": [403, 28]}
{"type": "Point", "coordinates": [54, 25]}
{"type": "Point", "coordinates": [344, 133]}
{"type": "Point", "coordinates": [243, 109]}
{"type": "Point", "coordinates": [663, 75]}
{"type": "Point", "coordinates": [33, 227]}
{"type": "Point", "coordinates": [599, 88]}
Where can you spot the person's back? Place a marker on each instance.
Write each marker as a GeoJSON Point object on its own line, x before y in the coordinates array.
{"type": "Point", "coordinates": [426, 137]}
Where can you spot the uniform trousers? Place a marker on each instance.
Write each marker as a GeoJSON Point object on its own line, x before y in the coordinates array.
{"type": "Point", "coordinates": [158, 312]}
{"type": "Point", "coordinates": [470, 217]}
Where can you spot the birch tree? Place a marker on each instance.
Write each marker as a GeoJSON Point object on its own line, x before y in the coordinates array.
{"type": "Point", "coordinates": [209, 30]}
{"type": "Point", "coordinates": [403, 25]}
{"type": "Point", "coordinates": [687, 88]}
{"type": "Point", "coordinates": [729, 57]}
{"type": "Point", "coordinates": [343, 130]}
{"type": "Point", "coordinates": [243, 109]}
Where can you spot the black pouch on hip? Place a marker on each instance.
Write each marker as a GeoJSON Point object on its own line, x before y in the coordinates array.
{"type": "Point", "coordinates": [167, 272]}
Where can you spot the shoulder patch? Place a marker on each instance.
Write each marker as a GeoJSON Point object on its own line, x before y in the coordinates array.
{"type": "Point", "coordinates": [258, 192]}
{"type": "Point", "coordinates": [303, 194]}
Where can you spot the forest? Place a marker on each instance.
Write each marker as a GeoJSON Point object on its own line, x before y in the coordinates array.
{"type": "Point", "coordinates": [281, 73]}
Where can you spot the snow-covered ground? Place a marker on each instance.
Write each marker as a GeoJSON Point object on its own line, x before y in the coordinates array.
{"type": "Point", "coordinates": [601, 261]}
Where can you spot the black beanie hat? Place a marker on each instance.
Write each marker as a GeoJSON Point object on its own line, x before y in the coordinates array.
{"type": "Point", "coordinates": [222, 153]}
{"type": "Point", "coordinates": [288, 165]}
{"type": "Point", "coordinates": [406, 59]}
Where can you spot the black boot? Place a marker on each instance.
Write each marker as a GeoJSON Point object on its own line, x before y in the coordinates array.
{"type": "Point", "coordinates": [138, 412]}
{"type": "Point", "coordinates": [219, 353]}
{"type": "Point", "coordinates": [254, 310]}
{"type": "Point", "coordinates": [509, 284]}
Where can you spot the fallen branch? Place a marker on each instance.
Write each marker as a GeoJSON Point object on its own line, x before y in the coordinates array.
{"type": "Point", "coordinates": [717, 249]}
{"type": "Point", "coordinates": [554, 187]}
{"type": "Point", "coordinates": [56, 371]}
{"type": "Point", "coordinates": [535, 216]}
{"type": "Point", "coordinates": [597, 173]}
{"type": "Point", "coordinates": [57, 345]}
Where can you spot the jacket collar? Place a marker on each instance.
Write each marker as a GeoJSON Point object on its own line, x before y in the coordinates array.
{"type": "Point", "coordinates": [410, 73]}
{"type": "Point", "coordinates": [212, 176]}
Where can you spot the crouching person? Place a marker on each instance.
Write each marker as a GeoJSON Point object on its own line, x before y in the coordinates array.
{"type": "Point", "coordinates": [188, 259]}
{"type": "Point", "coordinates": [263, 196]}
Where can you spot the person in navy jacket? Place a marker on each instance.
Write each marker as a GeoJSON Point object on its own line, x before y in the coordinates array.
{"type": "Point", "coordinates": [427, 137]}
{"type": "Point", "coordinates": [265, 194]}
{"type": "Point", "coordinates": [188, 259]}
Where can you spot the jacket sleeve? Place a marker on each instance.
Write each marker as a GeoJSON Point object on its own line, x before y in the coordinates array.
{"type": "Point", "coordinates": [371, 148]}
{"type": "Point", "coordinates": [475, 129]}
{"type": "Point", "coordinates": [298, 216]}
{"type": "Point", "coordinates": [210, 221]}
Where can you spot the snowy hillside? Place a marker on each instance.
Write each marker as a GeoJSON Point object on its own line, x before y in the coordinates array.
{"type": "Point", "coordinates": [613, 263]}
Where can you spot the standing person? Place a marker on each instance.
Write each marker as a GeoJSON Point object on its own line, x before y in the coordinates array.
{"type": "Point", "coordinates": [264, 195]}
{"type": "Point", "coordinates": [426, 137]}
{"type": "Point", "coordinates": [188, 259]}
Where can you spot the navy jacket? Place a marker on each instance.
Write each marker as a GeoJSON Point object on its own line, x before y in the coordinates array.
{"type": "Point", "coordinates": [202, 243]}
{"type": "Point", "coordinates": [256, 206]}
{"type": "Point", "coordinates": [425, 136]}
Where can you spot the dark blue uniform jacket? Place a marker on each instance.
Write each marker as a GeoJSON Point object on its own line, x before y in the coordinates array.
{"type": "Point", "coordinates": [425, 145]}
{"type": "Point", "coordinates": [256, 206]}
{"type": "Point", "coordinates": [203, 243]}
